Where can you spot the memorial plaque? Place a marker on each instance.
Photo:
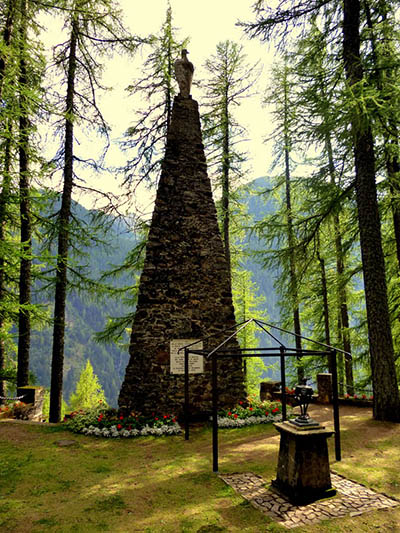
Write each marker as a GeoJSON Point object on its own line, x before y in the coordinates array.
{"type": "Point", "coordinates": [177, 358]}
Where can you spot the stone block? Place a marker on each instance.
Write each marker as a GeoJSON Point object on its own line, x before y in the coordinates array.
{"type": "Point", "coordinates": [324, 384]}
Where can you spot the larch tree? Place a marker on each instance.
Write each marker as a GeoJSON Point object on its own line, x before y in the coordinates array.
{"type": "Point", "coordinates": [21, 67]}
{"type": "Point", "coordinates": [386, 392]}
{"type": "Point", "coordinates": [229, 79]}
{"type": "Point", "coordinates": [280, 95]}
{"type": "Point", "coordinates": [89, 392]}
{"type": "Point", "coordinates": [8, 15]}
{"type": "Point", "coordinates": [94, 28]}
{"type": "Point", "coordinates": [145, 139]}
{"type": "Point", "coordinates": [279, 21]}
{"type": "Point", "coordinates": [25, 277]}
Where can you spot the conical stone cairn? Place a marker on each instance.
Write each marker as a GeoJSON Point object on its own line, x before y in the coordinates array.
{"type": "Point", "coordinates": [184, 291]}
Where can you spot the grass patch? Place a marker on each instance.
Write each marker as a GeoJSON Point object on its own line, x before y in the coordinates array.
{"type": "Point", "coordinates": [167, 484]}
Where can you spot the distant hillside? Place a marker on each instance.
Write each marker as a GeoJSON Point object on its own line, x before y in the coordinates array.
{"type": "Point", "coordinates": [85, 316]}
{"type": "Point", "coordinates": [258, 208]}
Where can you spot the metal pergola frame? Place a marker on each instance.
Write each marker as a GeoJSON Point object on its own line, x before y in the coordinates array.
{"type": "Point", "coordinates": [282, 351]}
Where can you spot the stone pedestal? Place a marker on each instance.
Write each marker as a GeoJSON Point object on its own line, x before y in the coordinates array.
{"type": "Point", "coordinates": [267, 388]}
{"type": "Point", "coordinates": [303, 472]}
{"type": "Point", "coordinates": [33, 397]}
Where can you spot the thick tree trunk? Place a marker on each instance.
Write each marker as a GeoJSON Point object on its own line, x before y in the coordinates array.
{"type": "Point", "coordinates": [386, 393]}
{"type": "Point", "coordinates": [57, 364]}
{"type": "Point", "coordinates": [390, 131]}
{"type": "Point", "coordinates": [24, 317]}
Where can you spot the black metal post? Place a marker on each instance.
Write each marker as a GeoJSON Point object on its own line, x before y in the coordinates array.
{"type": "Point", "coordinates": [215, 412]}
{"type": "Point", "coordinates": [283, 383]}
{"type": "Point", "coordinates": [335, 398]}
{"type": "Point", "coordinates": [186, 408]}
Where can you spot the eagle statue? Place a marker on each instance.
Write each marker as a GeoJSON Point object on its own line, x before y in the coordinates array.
{"type": "Point", "coordinates": [184, 73]}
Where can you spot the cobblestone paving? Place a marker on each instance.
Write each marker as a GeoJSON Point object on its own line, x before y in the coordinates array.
{"type": "Point", "coordinates": [352, 499]}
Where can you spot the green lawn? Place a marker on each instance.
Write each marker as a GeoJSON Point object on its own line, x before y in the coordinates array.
{"type": "Point", "coordinates": [155, 484]}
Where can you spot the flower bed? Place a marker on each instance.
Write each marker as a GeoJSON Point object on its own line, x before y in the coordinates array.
{"type": "Point", "coordinates": [253, 412]}
{"type": "Point", "coordinates": [106, 422]}
{"type": "Point", "coordinates": [358, 400]}
{"type": "Point", "coordinates": [8, 410]}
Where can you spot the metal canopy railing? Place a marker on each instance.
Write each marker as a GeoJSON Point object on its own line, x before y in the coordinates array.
{"type": "Point", "coordinates": [282, 351]}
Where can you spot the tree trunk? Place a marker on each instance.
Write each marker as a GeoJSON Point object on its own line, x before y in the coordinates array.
{"type": "Point", "coordinates": [324, 288]}
{"type": "Point", "coordinates": [225, 183]}
{"type": "Point", "coordinates": [293, 290]}
{"type": "Point", "coordinates": [390, 132]}
{"type": "Point", "coordinates": [63, 241]}
{"type": "Point", "coordinates": [386, 393]}
{"type": "Point", "coordinates": [343, 323]}
{"type": "Point", "coordinates": [4, 194]}
{"type": "Point", "coordinates": [24, 317]}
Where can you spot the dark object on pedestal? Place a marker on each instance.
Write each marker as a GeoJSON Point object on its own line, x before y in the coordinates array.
{"type": "Point", "coordinates": [302, 395]}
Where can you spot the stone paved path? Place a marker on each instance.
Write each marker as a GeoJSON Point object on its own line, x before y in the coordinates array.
{"type": "Point", "coordinates": [352, 498]}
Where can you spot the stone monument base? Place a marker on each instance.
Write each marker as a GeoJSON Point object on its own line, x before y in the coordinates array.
{"type": "Point", "coordinates": [303, 474]}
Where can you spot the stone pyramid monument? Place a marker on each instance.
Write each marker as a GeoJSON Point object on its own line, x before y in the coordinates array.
{"type": "Point", "coordinates": [184, 291]}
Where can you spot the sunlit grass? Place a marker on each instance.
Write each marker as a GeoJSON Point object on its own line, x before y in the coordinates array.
{"type": "Point", "coordinates": [167, 484]}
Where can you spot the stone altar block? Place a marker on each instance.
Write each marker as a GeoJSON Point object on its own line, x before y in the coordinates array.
{"type": "Point", "coordinates": [303, 473]}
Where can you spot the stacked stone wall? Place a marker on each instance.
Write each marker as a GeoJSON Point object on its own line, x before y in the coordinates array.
{"type": "Point", "coordinates": [184, 290]}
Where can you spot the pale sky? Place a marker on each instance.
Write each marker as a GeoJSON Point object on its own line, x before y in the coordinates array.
{"type": "Point", "coordinates": [206, 23]}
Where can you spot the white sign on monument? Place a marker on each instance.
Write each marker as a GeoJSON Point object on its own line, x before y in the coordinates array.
{"type": "Point", "coordinates": [177, 358]}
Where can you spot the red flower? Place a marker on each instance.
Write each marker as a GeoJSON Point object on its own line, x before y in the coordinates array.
{"type": "Point", "coordinates": [174, 420]}
{"type": "Point", "coordinates": [266, 413]}
{"type": "Point", "coordinates": [156, 418]}
{"type": "Point", "coordinates": [121, 417]}
{"type": "Point", "coordinates": [355, 396]}
{"type": "Point", "coordinates": [229, 414]}
{"type": "Point", "coordinates": [235, 416]}
{"type": "Point", "coordinates": [250, 408]}
{"type": "Point", "coordinates": [240, 403]}
{"type": "Point", "coordinates": [364, 397]}
{"type": "Point", "coordinates": [275, 410]}
{"type": "Point", "coordinates": [119, 426]}
{"type": "Point", "coordinates": [165, 416]}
